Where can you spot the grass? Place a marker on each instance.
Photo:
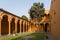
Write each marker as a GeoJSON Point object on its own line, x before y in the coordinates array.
{"type": "Point", "coordinates": [38, 36]}
{"type": "Point", "coordinates": [16, 37]}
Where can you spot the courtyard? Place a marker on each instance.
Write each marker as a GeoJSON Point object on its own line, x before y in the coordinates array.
{"type": "Point", "coordinates": [30, 20]}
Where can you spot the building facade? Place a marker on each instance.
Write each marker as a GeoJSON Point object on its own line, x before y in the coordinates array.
{"type": "Point", "coordinates": [10, 23]}
{"type": "Point", "coordinates": [55, 18]}
{"type": "Point", "coordinates": [46, 22]}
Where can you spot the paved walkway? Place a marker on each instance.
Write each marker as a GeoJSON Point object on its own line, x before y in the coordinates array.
{"type": "Point", "coordinates": [4, 36]}
{"type": "Point", "coordinates": [27, 37]}
{"type": "Point", "coordinates": [50, 37]}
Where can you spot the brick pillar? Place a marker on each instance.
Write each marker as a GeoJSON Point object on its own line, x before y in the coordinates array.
{"type": "Point", "coordinates": [16, 25]}
{"type": "Point", "coordinates": [20, 25]}
{"type": "Point", "coordinates": [0, 27]}
{"type": "Point", "coordinates": [26, 26]}
{"type": "Point", "coordinates": [23, 26]}
{"type": "Point", "coordinates": [9, 20]}
{"type": "Point", "coordinates": [30, 27]}
{"type": "Point", "coordinates": [9, 28]}
{"type": "Point", "coordinates": [0, 24]}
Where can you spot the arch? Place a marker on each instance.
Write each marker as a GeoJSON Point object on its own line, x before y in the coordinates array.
{"type": "Point", "coordinates": [13, 25]}
{"type": "Point", "coordinates": [46, 27]}
{"type": "Point", "coordinates": [18, 26]}
{"type": "Point", "coordinates": [4, 25]}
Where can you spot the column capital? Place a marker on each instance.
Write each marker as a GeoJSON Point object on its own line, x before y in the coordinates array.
{"type": "Point", "coordinates": [20, 19]}
{"type": "Point", "coordinates": [23, 22]}
{"type": "Point", "coordinates": [16, 20]}
{"type": "Point", "coordinates": [10, 18]}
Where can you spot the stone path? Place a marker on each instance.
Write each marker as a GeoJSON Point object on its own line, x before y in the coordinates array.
{"type": "Point", "coordinates": [5, 36]}
{"type": "Point", "coordinates": [50, 37]}
{"type": "Point", "coordinates": [27, 37]}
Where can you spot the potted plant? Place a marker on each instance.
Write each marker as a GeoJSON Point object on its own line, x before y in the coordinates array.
{"type": "Point", "coordinates": [14, 33]}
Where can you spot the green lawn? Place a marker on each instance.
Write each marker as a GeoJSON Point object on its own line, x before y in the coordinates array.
{"type": "Point", "coordinates": [38, 36]}
{"type": "Point", "coordinates": [16, 37]}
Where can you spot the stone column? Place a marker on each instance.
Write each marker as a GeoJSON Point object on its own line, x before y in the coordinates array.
{"type": "Point", "coordinates": [30, 27]}
{"type": "Point", "coordinates": [26, 26]}
{"type": "Point", "coordinates": [9, 20]}
{"type": "Point", "coordinates": [0, 27]}
{"type": "Point", "coordinates": [0, 24]}
{"type": "Point", "coordinates": [20, 25]}
{"type": "Point", "coordinates": [0, 21]}
{"type": "Point", "coordinates": [16, 25]}
{"type": "Point", "coordinates": [9, 26]}
{"type": "Point", "coordinates": [23, 26]}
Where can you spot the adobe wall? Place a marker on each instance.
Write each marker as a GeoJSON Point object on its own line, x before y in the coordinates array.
{"type": "Point", "coordinates": [55, 17]}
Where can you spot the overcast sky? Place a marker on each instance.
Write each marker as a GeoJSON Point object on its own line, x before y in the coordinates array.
{"type": "Point", "coordinates": [21, 7]}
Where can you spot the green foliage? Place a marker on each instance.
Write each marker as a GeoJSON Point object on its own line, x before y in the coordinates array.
{"type": "Point", "coordinates": [37, 11]}
{"type": "Point", "coordinates": [24, 17]}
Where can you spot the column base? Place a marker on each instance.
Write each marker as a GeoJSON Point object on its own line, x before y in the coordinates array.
{"type": "Point", "coordinates": [0, 34]}
{"type": "Point", "coordinates": [9, 34]}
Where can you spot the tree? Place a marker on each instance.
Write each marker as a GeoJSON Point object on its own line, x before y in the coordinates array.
{"type": "Point", "coordinates": [24, 17]}
{"type": "Point", "coordinates": [37, 11]}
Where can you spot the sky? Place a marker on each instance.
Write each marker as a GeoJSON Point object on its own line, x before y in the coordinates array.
{"type": "Point", "coordinates": [21, 7]}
